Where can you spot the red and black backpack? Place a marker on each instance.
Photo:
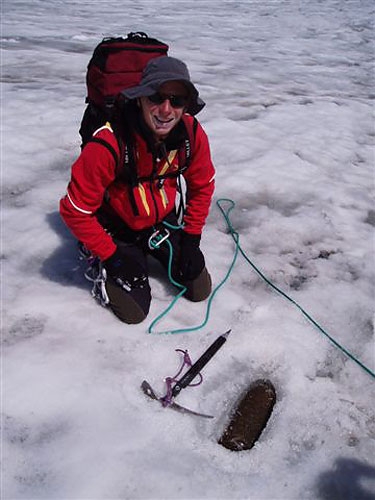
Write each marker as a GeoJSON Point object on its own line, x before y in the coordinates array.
{"type": "Point", "coordinates": [117, 64]}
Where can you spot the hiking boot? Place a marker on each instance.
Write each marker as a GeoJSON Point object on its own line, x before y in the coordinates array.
{"type": "Point", "coordinates": [249, 417]}
{"type": "Point", "coordinates": [130, 302]}
{"type": "Point", "coordinates": [199, 288]}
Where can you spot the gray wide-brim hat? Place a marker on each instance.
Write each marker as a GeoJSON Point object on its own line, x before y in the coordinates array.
{"type": "Point", "coordinates": [161, 70]}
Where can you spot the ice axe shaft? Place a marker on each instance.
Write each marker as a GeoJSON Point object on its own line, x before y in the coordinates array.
{"type": "Point", "coordinates": [196, 368]}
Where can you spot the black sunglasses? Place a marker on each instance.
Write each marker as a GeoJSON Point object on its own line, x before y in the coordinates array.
{"type": "Point", "coordinates": [177, 101]}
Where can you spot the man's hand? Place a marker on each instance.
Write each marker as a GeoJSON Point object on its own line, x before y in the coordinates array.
{"type": "Point", "coordinates": [124, 269]}
{"type": "Point", "coordinates": [191, 260]}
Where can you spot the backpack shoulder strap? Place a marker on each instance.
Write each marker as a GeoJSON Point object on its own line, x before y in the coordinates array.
{"type": "Point", "coordinates": [187, 150]}
{"type": "Point", "coordinates": [125, 167]}
{"type": "Point", "coordinates": [106, 144]}
{"type": "Point", "coordinates": [125, 159]}
{"type": "Point", "coordinates": [185, 157]}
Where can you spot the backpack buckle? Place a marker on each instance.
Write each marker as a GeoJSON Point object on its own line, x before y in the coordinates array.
{"type": "Point", "coordinates": [158, 237]}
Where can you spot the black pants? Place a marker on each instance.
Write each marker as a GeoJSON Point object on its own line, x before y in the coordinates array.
{"type": "Point", "coordinates": [132, 306]}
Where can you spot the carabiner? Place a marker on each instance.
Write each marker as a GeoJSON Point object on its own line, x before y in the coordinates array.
{"type": "Point", "coordinates": [157, 238]}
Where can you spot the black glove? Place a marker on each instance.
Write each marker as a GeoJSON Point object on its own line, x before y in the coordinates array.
{"type": "Point", "coordinates": [191, 259]}
{"type": "Point", "coordinates": [123, 268]}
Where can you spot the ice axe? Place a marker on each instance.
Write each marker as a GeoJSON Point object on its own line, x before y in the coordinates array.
{"type": "Point", "coordinates": [175, 385]}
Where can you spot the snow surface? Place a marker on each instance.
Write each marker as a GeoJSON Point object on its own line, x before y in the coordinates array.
{"type": "Point", "coordinates": [289, 87]}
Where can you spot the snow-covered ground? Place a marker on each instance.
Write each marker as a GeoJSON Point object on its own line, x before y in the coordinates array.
{"type": "Point", "coordinates": [289, 87]}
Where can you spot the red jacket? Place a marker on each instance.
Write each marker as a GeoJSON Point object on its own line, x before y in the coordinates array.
{"type": "Point", "coordinates": [94, 176]}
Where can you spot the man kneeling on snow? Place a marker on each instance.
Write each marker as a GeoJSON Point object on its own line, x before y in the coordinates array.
{"type": "Point", "coordinates": [121, 219]}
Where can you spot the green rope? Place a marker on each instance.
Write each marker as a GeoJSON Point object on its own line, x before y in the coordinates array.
{"type": "Point", "coordinates": [235, 237]}
{"type": "Point", "coordinates": [238, 249]}
{"type": "Point", "coordinates": [183, 290]}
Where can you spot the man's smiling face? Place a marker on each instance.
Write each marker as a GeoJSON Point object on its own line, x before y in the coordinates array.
{"type": "Point", "coordinates": [162, 118]}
